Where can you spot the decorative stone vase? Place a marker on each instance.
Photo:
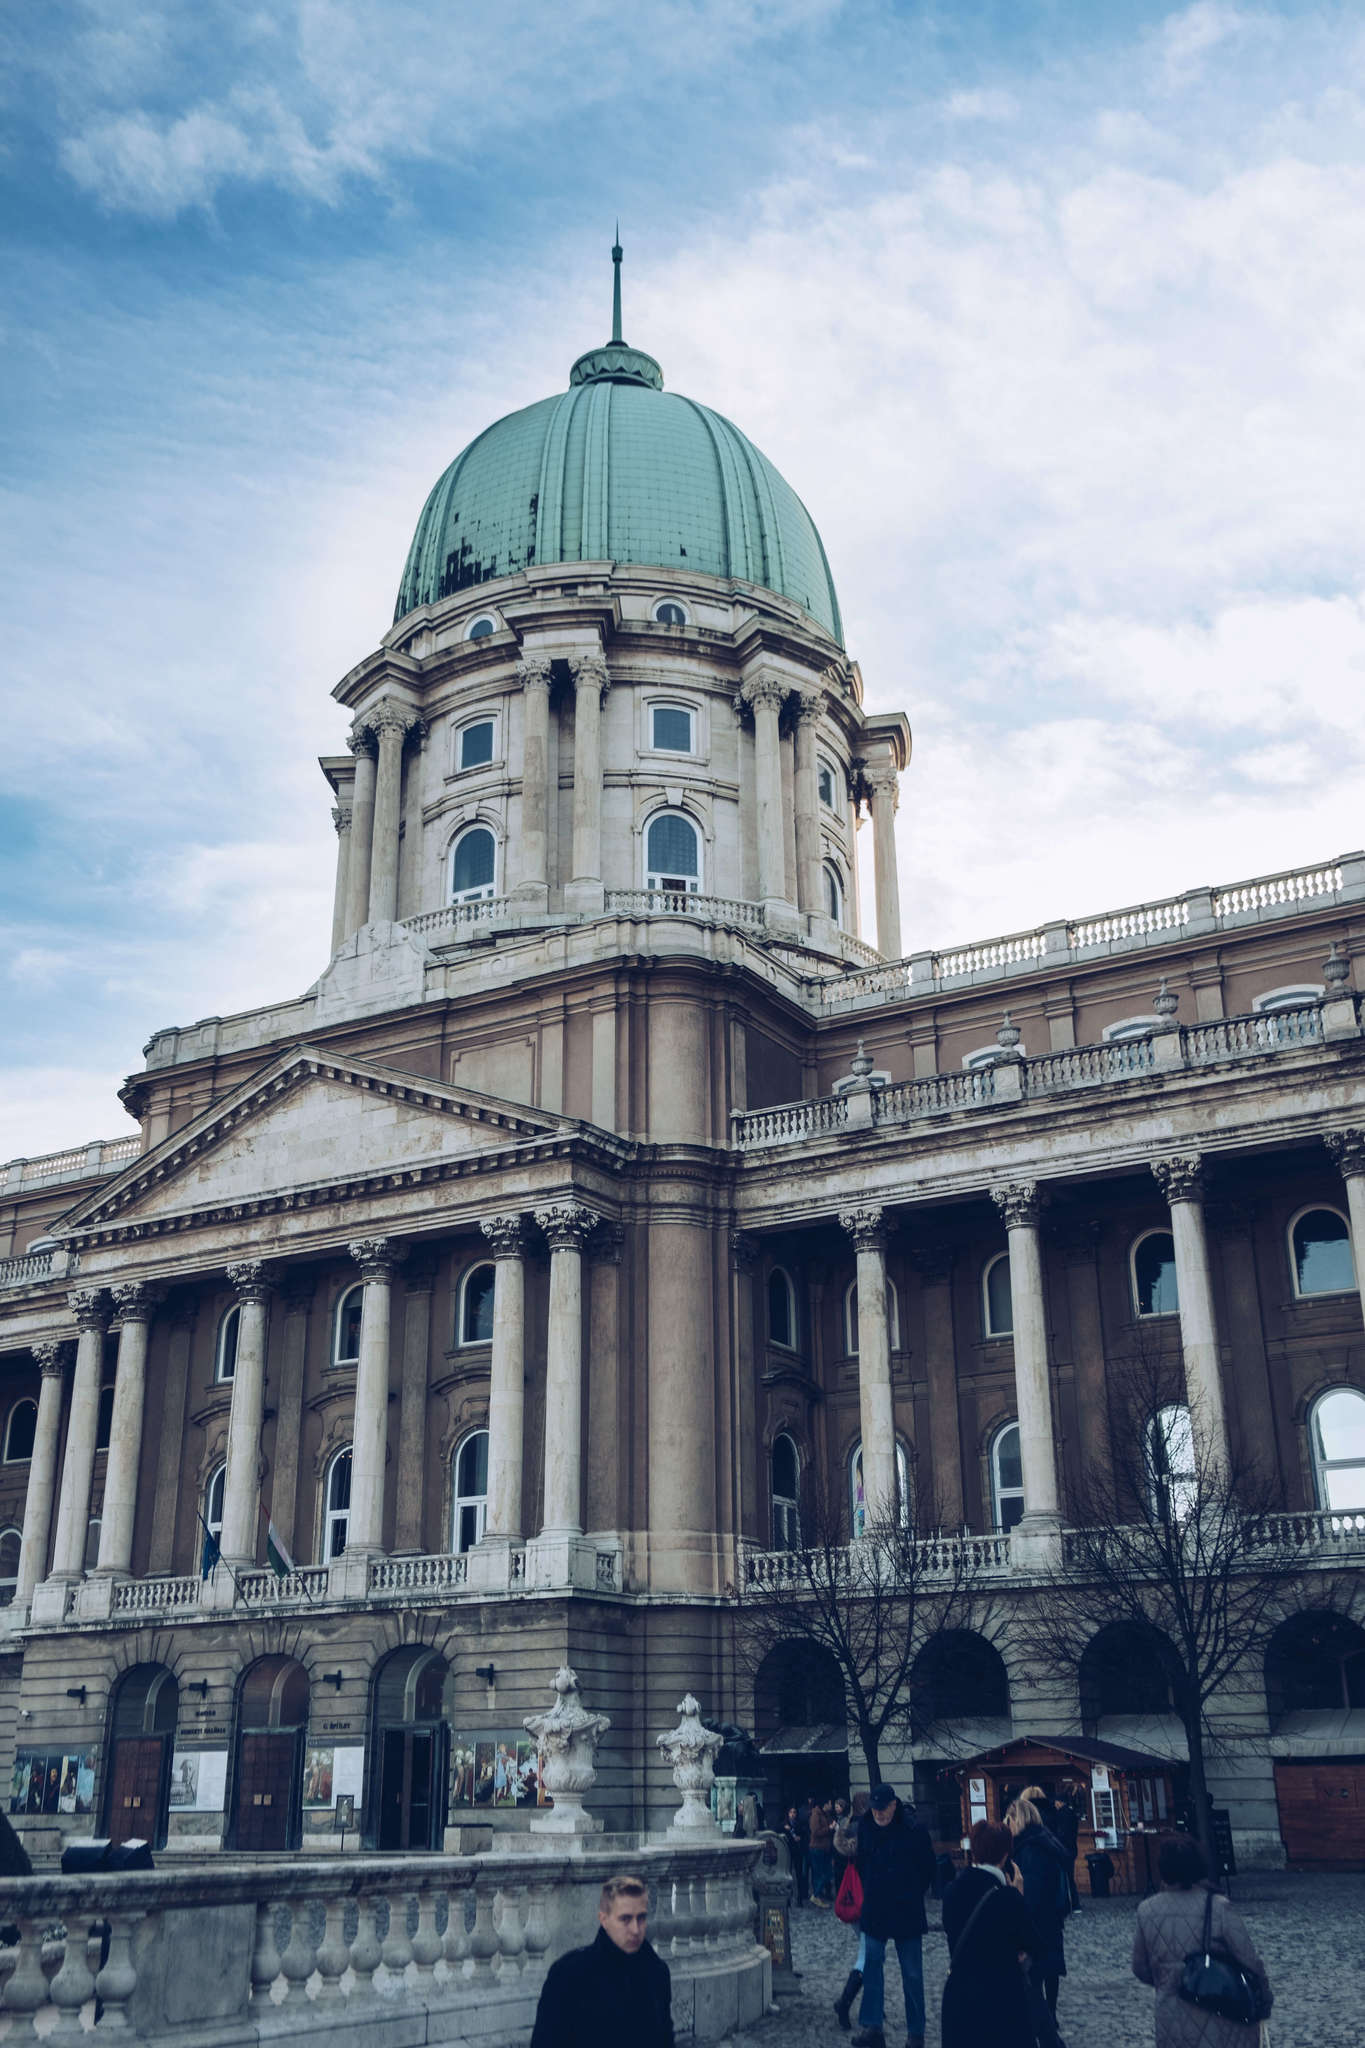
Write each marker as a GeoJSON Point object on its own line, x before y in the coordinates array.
{"type": "Point", "coordinates": [567, 1737]}
{"type": "Point", "coordinates": [691, 1750]}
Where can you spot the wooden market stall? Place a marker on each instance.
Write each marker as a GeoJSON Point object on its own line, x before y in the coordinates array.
{"type": "Point", "coordinates": [1125, 1801]}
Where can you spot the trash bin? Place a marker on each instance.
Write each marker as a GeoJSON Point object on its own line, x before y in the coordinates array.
{"type": "Point", "coordinates": [97, 1853]}
{"type": "Point", "coordinates": [1100, 1864]}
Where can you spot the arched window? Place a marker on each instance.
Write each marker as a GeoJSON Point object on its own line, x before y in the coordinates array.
{"type": "Point", "coordinates": [893, 1318]}
{"type": "Point", "coordinates": [781, 1310]}
{"type": "Point", "coordinates": [785, 1494]}
{"type": "Point", "coordinates": [672, 854]}
{"type": "Point", "coordinates": [857, 1493]}
{"type": "Point", "coordinates": [1130, 1027]}
{"type": "Point", "coordinates": [1127, 1668]}
{"type": "Point", "coordinates": [984, 1056]}
{"type": "Point", "coordinates": [10, 1542]}
{"type": "Point", "coordinates": [1320, 1253]}
{"type": "Point", "coordinates": [480, 628]}
{"type": "Point", "coordinates": [336, 1519]}
{"type": "Point", "coordinates": [826, 783]}
{"type": "Point", "coordinates": [469, 1514]}
{"type": "Point", "coordinates": [1298, 997]}
{"type": "Point", "coordinates": [1007, 1477]}
{"type": "Point", "coordinates": [476, 1306]}
{"type": "Point", "coordinates": [225, 1356]}
{"type": "Point", "coordinates": [668, 612]}
{"type": "Point", "coordinates": [20, 1431]}
{"type": "Point", "coordinates": [834, 893]}
{"type": "Point", "coordinates": [104, 1421]}
{"type": "Point", "coordinates": [346, 1326]}
{"type": "Point", "coordinates": [996, 1300]}
{"type": "Point", "coordinates": [213, 1516]}
{"type": "Point", "coordinates": [476, 743]}
{"type": "Point", "coordinates": [1153, 1266]}
{"type": "Point", "coordinates": [672, 728]}
{"type": "Point", "coordinates": [959, 1676]}
{"type": "Point", "coordinates": [1169, 1463]}
{"type": "Point", "coordinates": [1315, 1663]}
{"type": "Point", "coordinates": [1336, 1432]}
{"type": "Point", "coordinates": [473, 865]}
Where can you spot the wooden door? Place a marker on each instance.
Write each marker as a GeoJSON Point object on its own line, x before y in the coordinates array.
{"type": "Point", "coordinates": [1322, 1814]}
{"type": "Point", "coordinates": [412, 1787]}
{"type": "Point", "coordinates": [267, 1770]}
{"type": "Point", "coordinates": [135, 1789]}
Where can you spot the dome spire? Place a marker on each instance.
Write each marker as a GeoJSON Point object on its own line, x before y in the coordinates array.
{"type": "Point", "coordinates": [615, 362]}
{"type": "Point", "coordinates": [616, 253]}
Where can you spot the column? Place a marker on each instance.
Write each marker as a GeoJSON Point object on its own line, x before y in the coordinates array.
{"type": "Point", "coordinates": [606, 1467]}
{"type": "Point", "coordinates": [377, 1258]}
{"type": "Point", "coordinates": [876, 1415]}
{"type": "Point", "coordinates": [92, 1308]}
{"type": "Point", "coordinates": [297, 1303]}
{"type": "Point", "coordinates": [810, 896]}
{"type": "Point", "coordinates": [767, 696]}
{"type": "Point", "coordinates": [884, 785]}
{"type": "Point", "coordinates": [409, 1520]}
{"type": "Point", "coordinates": [361, 744]}
{"type": "Point", "coordinates": [533, 672]}
{"type": "Point", "coordinates": [1181, 1182]}
{"type": "Point", "coordinates": [507, 1379]}
{"type": "Point", "coordinates": [566, 1226]}
{"type": "Point", "coordinates": [1018, 1203]}
{"type": "Point", "coordinates": [934, 1264]}
{"type": "Point", "coordinates": [135, 1305]}
{"type": "Point", "coordinates": [390, 724]}
{"type": "Point", "coordinates": [51, 1360]}
{"type": "Point", "coordinates": [750, 1484]}
{"type": "Point", "coordinates": [341, 818]}
{"type": "Point", "coordinates": [242, 1485]}
{"type": "Point", "coordinates": [1347, 1148]}
{"type": "Point", "coordinates": [591, 684]}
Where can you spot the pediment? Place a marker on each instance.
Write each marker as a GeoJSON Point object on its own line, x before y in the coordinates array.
{"type": "Point", "coordinates": [310, 1120]}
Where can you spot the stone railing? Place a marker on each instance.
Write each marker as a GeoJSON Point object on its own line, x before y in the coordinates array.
{"type": "Point", "coordinates": [936, 1558]}
{"type": "Point", "coordinates": [933, 1095]}
{"type": "Point", "coordinates": [418, 1574]}
{"type": "Point", "coordinates": [307, 1584]}
{"type": "Point", "coordinates": [754, 1128]}
{"type": "Point", "coordinates": [1233, 1038]}
{"type": "Point", "coordinates": [459, 917]}
{"type": "Point", "coordinates": [78, 1162]}
{"type": "Point", "coordinates": [422, 1949]}
{"type": "Point", "coordinates": [1084, 1066]}
{"type": "Point", "coordinates": [157, 1596]}
{"type": "Point", "coordinates": [26, 1270]}
{"type": "Point", "coordinates": [1313, 1536]}
{"type": "Point", "coordinates": [730, 910]}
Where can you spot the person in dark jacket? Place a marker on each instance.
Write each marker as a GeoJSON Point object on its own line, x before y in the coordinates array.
{"type": "Point", "coordinates": [795, 1833]}
{"type": "Point", "coordinates": [615, 1990]}
{"type": "Point", "coordinates": [986, 1997]}
{"type": "Point", "coordinates": [1043, 1864]}
{"type": "Point", "coordinates": [1065, 1825]}
{"type": "Point", "coordinates": [895, 1860]}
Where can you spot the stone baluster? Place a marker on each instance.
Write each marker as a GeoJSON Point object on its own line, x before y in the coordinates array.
{"type": "Point", "coordinates": [242, 1484]}
{"type": "Point", "coordinates": [91, 1308]}
{"type": "Point", "coordinates": [51, 1360]}
{"type": "Point", "coordinates": [537, 1927]}
{"type": "Point", "coordinates": [117, 1981]}
{"type": "Point", "coordinates": [390, 723]}
{"type": "Point", "coordinates": [300, 1953]}
{"type": "Point", "coordinates": [591, 683]}
{"type": "Point", "coordinates": [483, 1941]}
{"type": "Point", "coordinates": [457, 1940]}
{"type": "Point", "coordinates": [884, 794]}
{"type": "Point", "coordinates": [333, 1954]}
{"type": "Point", "coordinates": [426, 1942]}
{"type": "Point", "coordinates": [135, 1304]}
{"type": "Point", "coordinates": [377, 1258]}
{"type": "Point", "coordinates": [366, 1949]}
{"type": "Point", "coordinates": [341, 818]}
{"type": "Point", "coordinates": [26, 1992]}
{"type": "Point", "coordinates": [1347, 1148]}
{"type": "Point", "coordinates": [361, 744]}
{"type": "Point", "coordinates": [397, 1950]}
{"type": "Point", "coordinates": [409, 1520]}
{"type": "Point", "coordinates": [810, 897]}
{"type": "Point", "coordinates": [876, 1415]}
{"type": "Point", "coordinates": [511, 1933]}
{"type": "Point", "coordinates": [567, 1226]}
{"type": "Point", "coordinates": [507, 1378]}
{"type": "Point", "coordinates": [74, 1984]}
{"type": "Point", "coordinates": [1181, 1182]}
{"type": "Point", "coordinates": [265, 1956]}
{"type": "Point", "coordinates": [1021, 1209]}
{"type": "Point", "coordinates": [766, 696]}
{"type": "Point", "coordinates": [533, 673]}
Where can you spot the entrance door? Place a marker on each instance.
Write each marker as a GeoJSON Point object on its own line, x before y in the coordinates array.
{"type": "Point", "coordinates": [266, 1768]}
{"type": "Point", "coordinates": [1322, 1814]}
{"type": "Point", "coordinates": [135, 1791]}
{"type": "Point", "coordinates": [411, 1786]}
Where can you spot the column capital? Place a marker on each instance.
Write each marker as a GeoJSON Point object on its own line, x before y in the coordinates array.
{"type": "Point", "coordinates": [884, 782]}
{"type": "Point", "coordinates": [606, 1243]}
{"type": "Point", "coordinates": [1181, 1177]}
{"type": "Point", "coordinates": [567, 1225]}
{"type": "Point", "coordinates": [248, 1280]}
{"type": "Point", "coordinates": [1347, 1150]}
{"type": "Point", "coordinates": [376, 1256]}
{"type": "Point", "coordinates": [767, 691]}
{"type": "Point", "coordinates": [587, 669]}
{"type": "Point", "coordinates": [390, 717]}
{"type": "Point", "coordinates": [506, 1235]}
{"type": "Point", "coordinates": [533, 672]}
{"type": "Point", "coordinates": [867, 1227]}
{"type": "Point", "coordinates": [52, 1358]}
{"type": "Point", "coordinates": [91, 1307]}
{"type": "Point", "coordinates": [743, 1251]}
{"type": "Point", "coordinates": [360, 740]}
{"type": "Point", "coordinates": [1020, 1203]}
{"type": "Point", "coordinates": [135, 1301]}
{"type": "Point", "coordinates": [809, 707]}
{"type": "Point", "coordinates": [341, 818]}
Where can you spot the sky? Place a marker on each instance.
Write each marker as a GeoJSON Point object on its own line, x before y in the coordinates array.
{"type": "Point", "coordinates": [1053, 313]}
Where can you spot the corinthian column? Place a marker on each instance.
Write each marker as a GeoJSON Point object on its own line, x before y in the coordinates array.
{"type": "Point", "coordinates": [809, 895]}
{"type": "Point", "coordinates": [766, 697]}
{"type": "Point", "coordinates": [1348, 1155]}
{"type": "Point", "coordinates": [591, 684]}
{"type": "Point", "coordinates": [876, 1415]}
{"type": "Point", "coordinates": [91, 1307]}
{"type": "Point", "coordinates": [533, 673]}
{"type": "Point", "coordinates": [135, 1305]}
{"type": "Point", "coordinates": [884, 785]}
{"type": "Point", "coordinates": [391, 724]}
{"type": "Point", "coordinates": [1181, 1182]}
{"type": "Point", "coordinates": [341, 818]}
{"type": "Point", "coordinates": [377, 1258]}
{"type": "Point", "coordinates": [1018, 1203]}
{"type": "Point", "coordinates": [566, 1226]}
{"type": "Point", "coordinates": [361, 744]}
{"type": "Point", "coordinates": [507, 1377]}
{"type": "Point", "coordinates": [42, 1470]}
{"type": "Point", "coordinates": [242, 1484]}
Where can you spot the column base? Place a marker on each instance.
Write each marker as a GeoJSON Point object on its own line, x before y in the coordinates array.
{"type": "Point", "coordinates": [586, 896]}
{"type": "Point", "coordinates": [782, 919]}
{"type": "Point", "coordinates": [51, 1600]}
{"type": "Point", "coordinates": [1036, 1544]}
{"type": "Point", "coordinates": [559, 1559]}
{"type": "Point", "coordinates": [531, 897]}
{"type": "Point", "coordinates": [566, 1818]}
{"type": "Point", "coordinates": [348, 1576]}
{"type": "Point", "coordinates": [489, 1566]}
{"type": "Point", "coordinates": [218, 1593]}
{"type": "Point", "coordinates": [95, 1595]}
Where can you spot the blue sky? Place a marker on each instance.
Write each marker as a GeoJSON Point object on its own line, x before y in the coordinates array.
{"type": "Point", "coordinates": [1054, 314]}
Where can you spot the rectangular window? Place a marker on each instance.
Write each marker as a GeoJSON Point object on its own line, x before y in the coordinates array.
{"type": "Point", "coordinates": [671, 729]}
{"type": "Point", "coordinates": [476, 744]}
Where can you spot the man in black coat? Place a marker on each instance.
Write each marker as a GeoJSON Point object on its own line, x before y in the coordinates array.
{"type": "Point", "coordinates": [895, 1860]}
{"type": "Point", "coordinates": [615, 1990]}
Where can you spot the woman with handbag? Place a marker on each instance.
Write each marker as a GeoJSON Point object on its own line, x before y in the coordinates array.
{"type": "Point", "coordinates": [846, 1848]}
{"type": "Point", "coordinates": [1193, 1946]}
{"type": "Point", "coordinates": [986, 1999]}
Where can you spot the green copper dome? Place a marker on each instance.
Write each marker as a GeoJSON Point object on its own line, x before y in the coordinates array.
{"type": "Point", "coordinates": [617, 470]}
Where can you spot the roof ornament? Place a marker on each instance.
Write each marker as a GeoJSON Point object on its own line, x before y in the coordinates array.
{"type": "Point", "coordinates": [616, 362]}
{"type": "Point", "coordinates": [616, 253]}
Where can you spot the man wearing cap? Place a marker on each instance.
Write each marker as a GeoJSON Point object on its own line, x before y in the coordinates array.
{"type": "Point", "coordinates": [895, 1862]}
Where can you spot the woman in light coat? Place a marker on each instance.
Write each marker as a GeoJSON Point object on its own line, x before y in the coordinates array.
{"type": "Point", "coordinates": [1170, 1926]}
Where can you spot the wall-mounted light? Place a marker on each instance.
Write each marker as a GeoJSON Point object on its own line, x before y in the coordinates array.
{"type": "Point", "coordinates": [487, 1672]}
{"type": "Point", "coordinates": [76, 1692]}
{"type": "Point", "coordinates": [332, 1678]}
{"type": "Point", "coordinates": [199, 1685]}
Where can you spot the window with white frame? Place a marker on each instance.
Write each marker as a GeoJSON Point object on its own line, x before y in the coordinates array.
{"type": "Point", "coordinates": [672, 729]}
{"type": "Point", "coordinates": [1152, 1259]}
{"type": "Point", "coordinates": [476, 1305]}
{"type": "Point", "coordinates": [1007, 1477]}
{"type": "Point", "coordinates": [21, 1428]}
{"type": "Point", "coordinates": [781, 1310]}
{"type": "Point", "coordinates": [786, 1490]}
{"type": "Point", "coordinates": [857, 1492]}
{"type": "Point", "coordinates": [480, 628]}
{"type": "Point", "coordinates": [469, 1508]}
{"type": "Point", "coordinates": [668, 612]}
{"type": "Point", "coordinates": [225, 1355]}
{"type": "Point", "coordinates": [474, 743]}
{"type": "Point", "coordinates": [1320, 1253]}
{"type": "Point", "coordinates": [1172, 1474]}
{"type": "Point", "coordinates": [346, 1326]}
{"type": "Point", "coordinates": [997, 1302]}
{"type": "Point", "coordinates": [214, 1494]}
{"type": "Point", "coordinates": [893, 1318]}
{"type": "Point", "coordinates": [1297, 997]}
{"type": "Point", "coordinates": [827, 783]}
{"type": "Point", "coordinates": [984, 1056]}
{"type": "Point", "coordinates": [834, 893]}
{"type": "Point", "coordinates": [672, 854]}
{"type": "Point", "coordinates": [1130, 1027]}
{"type": "Point", "coordinates": [473, 865]}
{"type": "Point", "coordinates": [1336, 1436]}
{"type": "Point", "coordinates": [11, 1542]}
{"type": "Point", "coordinates": [336, 1512]}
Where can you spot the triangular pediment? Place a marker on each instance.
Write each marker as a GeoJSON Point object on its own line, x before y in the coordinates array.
{"type": "Point", "coordinates": [309, 1120]}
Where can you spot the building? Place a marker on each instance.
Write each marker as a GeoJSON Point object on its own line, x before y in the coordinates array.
{"type": "Point", "coordinates": [507, 1288]}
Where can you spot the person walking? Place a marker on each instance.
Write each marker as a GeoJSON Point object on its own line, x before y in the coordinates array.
{"type": "Point", "coordinates": [1042, 1863]}
{"type": "Point", "coordinates": [615, 1989]}
{"type": "Point", "coordinates": [986, 2000]}
{"type": "Point", "coordinates": [794, 1837]}
{"type": "Point", "coordinates": [821, 1854]}
{"type": "Point", "coordinates": [838, 1814]}
{"type": "Point", "coordinates": [895, 1860]}
{"type": "Point", "coordinates": [845, 1852]}
{"type": "Point", "coordinates": [1170, 1926]}
{"type": "Point", "coordinates": [1065, 1825]}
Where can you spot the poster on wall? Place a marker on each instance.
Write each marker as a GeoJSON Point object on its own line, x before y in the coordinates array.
{"type": "Point", "coordinates": [52, 1781]}
{"type": "Point", "coordinates": [317, 1777]}
{"type": "Point", "coordinates": [198, 1780]}
{"type": "Point", "coordinates": [495, 1771]}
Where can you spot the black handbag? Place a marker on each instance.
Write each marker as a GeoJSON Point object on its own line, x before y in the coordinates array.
{"type": "Point", "coordinates": [1216, 1983]}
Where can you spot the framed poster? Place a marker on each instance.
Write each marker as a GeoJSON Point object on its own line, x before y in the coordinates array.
{"type": "Point", "coordinates": [52, 1781]}
{"type": "Point", "coordinates": [497, 1771]}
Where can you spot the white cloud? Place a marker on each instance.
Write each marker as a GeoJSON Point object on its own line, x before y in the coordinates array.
{"type": "Point", "coordinates": [1187, 38]}
{"type": "Point", "coordinates": [985, 105]}
{"type": "Point", "coordinates": [60, 1106]}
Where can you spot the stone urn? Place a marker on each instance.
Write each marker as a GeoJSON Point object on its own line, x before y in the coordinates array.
{"type": "Point", "coordinates": [691, 1750]}
{"type": "Point", "coordinates": [567, 1737]}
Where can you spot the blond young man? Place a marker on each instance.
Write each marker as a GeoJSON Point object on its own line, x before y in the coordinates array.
{"type": "Point", "coordinates": [614, 1990]}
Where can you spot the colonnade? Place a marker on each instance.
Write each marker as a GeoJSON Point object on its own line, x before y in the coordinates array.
{"type": "Point", "coordinates": [368, 828]}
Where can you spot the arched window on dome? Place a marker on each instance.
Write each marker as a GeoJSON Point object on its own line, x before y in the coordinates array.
{"type": "Point", "coordinates": [672, 729]}
{"type": "Point", "coordinates": [834, 893]}
{"type": "Point", "coordinates": [668, 612]}
{"type": "Point", "coordinates": [1336, 1436]}
{"type": "Point", "coordinates": [1320, 1253]}
{"type": "Point", "coordinates": [480, 628]}
{"type": "Point", "coordinates": [473, 865]}
{"type": "Point", "coordinates": [827, 783]}
{"type": "Point", "coordinates": [672, 854]}
{"type": "Point", "coordinates": [475, 743]}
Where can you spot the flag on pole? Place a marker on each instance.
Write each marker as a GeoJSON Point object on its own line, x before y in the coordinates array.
{"type": "Point", "coordinates": [276, 1550]}
{"type": "Point", "coordinates": [211, 1553]}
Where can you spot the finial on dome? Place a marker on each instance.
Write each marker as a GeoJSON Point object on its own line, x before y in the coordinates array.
{"type": "Point", "coordinates": [616, 253]}
{"type": "Point", "coordinates": [616, 362]}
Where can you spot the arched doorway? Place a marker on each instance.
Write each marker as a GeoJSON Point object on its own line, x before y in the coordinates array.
{"type": "Point", "coordinates": [411, 1750]}
{"type": "Point", "coordinates": [802, 1724]}
{"type": "Point", "coordinates": [1127, 1669]}
{"type": "Point", "coordinates": [141, 1738]}
{"type": "Point", "coordinates": [272, 1718]}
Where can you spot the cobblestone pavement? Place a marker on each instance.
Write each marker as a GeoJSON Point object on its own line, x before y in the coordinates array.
{"type": "Point", "coordinates": [1309, 1929]}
